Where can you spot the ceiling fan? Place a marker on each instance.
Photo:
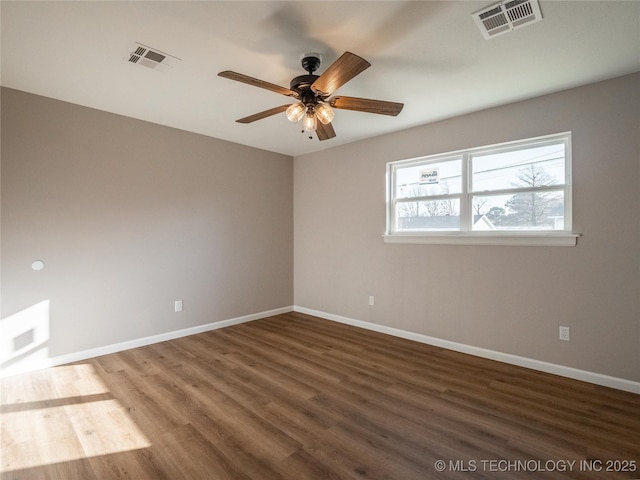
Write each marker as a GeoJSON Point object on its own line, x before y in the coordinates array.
{"type": "Point", "coordinates": [313, 92]}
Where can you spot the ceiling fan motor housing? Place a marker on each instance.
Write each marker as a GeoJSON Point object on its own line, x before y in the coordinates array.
{"type": "Point", "coordinates": [302, 85]}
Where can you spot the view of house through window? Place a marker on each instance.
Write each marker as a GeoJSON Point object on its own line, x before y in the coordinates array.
{"type": "Point", "coordinates": [521, 186]}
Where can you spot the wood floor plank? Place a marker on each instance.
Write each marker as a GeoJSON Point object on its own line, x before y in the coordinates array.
{"type": "Point", "coordinates": [294, 397]}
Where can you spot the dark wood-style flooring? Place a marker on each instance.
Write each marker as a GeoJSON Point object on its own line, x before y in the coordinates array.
{"type": "Point", "coordinates": [296, 397]}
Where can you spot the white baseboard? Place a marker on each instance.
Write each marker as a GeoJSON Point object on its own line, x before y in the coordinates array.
{"type": "Point", "coordinates": [139, 342]}
{"type": "Point", "coordinates": [569, 372]}
{"type": "Point", "coordinates": [564, 371]}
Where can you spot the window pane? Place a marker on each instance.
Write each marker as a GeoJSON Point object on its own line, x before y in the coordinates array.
{"type": "Point", "coordinates": [528, 167]}
{"type": "Point", "coordinates": [430, 179]}
{"type": "Point", "coordinates": [429, 215]}
{"type": "Point", "coordinates": [528, 211]}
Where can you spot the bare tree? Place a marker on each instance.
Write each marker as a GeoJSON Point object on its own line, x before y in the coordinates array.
{"type": "Point", "coordinates": [427, 208]}
{"type": "Point", "coordinates": [411, 209]}
{"type": "Point", "coordinates": [447, 206]}
{"type": "Point", "coordinates": [478, 205]}
{"type": "Point", "coordinates": [531, 208]}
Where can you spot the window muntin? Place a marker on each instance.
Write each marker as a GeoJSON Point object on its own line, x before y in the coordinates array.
{"type": "Point", "coordinates": [512, 188]}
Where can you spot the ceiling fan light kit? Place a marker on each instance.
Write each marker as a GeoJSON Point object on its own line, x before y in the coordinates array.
{"type": "Point", "coordinates": [313, 92]}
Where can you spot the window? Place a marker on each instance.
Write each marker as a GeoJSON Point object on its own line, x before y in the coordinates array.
{"type": "Point", "coordinates": [512, 193]}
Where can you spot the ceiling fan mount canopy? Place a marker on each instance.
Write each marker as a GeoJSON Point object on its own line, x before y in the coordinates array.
{"type": "Point", "coordinates": [313, 93]}
{"type": "Point", "coordinates": [311, 62]}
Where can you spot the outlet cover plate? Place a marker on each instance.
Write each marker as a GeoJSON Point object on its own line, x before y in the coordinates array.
{"type": "Point", "coordinates": [565, 334]}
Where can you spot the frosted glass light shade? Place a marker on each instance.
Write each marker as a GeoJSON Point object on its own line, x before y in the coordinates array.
{"type": "Point", "coordinates": [295, 112]}
{"type": "Point", "coordinates": [324, 113]}
{"type": "Point", "coordinates": [310, 123]}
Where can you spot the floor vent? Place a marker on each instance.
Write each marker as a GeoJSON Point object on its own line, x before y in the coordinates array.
{"type": "Point", "coordinates": [506, 16]}
{"type": "Point", "coordinates": [151, 58]}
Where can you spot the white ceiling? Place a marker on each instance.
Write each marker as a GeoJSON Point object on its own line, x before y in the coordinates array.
{"type": "Point", "coordinates": [428, 55]}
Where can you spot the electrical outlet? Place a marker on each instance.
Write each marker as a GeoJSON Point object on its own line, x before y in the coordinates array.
{"type": "Point", "coordinates": [565, 334]}
{"type": "Point", "coordinates": [178, 306]}
{"type": "Point", "coordinates": [371, 300]}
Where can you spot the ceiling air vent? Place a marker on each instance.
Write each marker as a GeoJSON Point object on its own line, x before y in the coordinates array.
{"type": "Point", "coordinates": [151, 58]}
{"type": "Point", "coordinates": [505, 16]}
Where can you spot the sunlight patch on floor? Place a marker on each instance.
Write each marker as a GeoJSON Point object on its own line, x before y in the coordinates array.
{"type": "Point", "coordinates": [70, 415]}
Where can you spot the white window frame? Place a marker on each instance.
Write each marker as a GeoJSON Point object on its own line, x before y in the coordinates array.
{"type": "Point", "coordinates": [465, 235]}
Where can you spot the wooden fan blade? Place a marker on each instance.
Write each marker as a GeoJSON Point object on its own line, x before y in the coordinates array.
{"type": "Point", "coordinates": [325, 132]}
{"type": "Point", "coordinates": [239, 77]}
{"type": "Point", "coordinates": [265, 114]}
{"type": "Point", "coordinates": [339, 72]}
{"type": "Point", "coordinates": [366, 105]}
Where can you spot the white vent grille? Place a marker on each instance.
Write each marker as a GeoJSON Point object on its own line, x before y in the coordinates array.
{"type": "Point", "coordinates": [505, 16]}
{"type": "Point", "coordinates": [151, 58]}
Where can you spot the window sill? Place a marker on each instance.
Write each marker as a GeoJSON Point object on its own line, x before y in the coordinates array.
{"type": "Point", "coordinates": [551, 239]}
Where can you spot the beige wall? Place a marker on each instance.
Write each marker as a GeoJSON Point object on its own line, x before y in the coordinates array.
{"type": "Point", "coordinates": [507, 299]}
{"type": "Point", "coordinates": [129, 216]}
